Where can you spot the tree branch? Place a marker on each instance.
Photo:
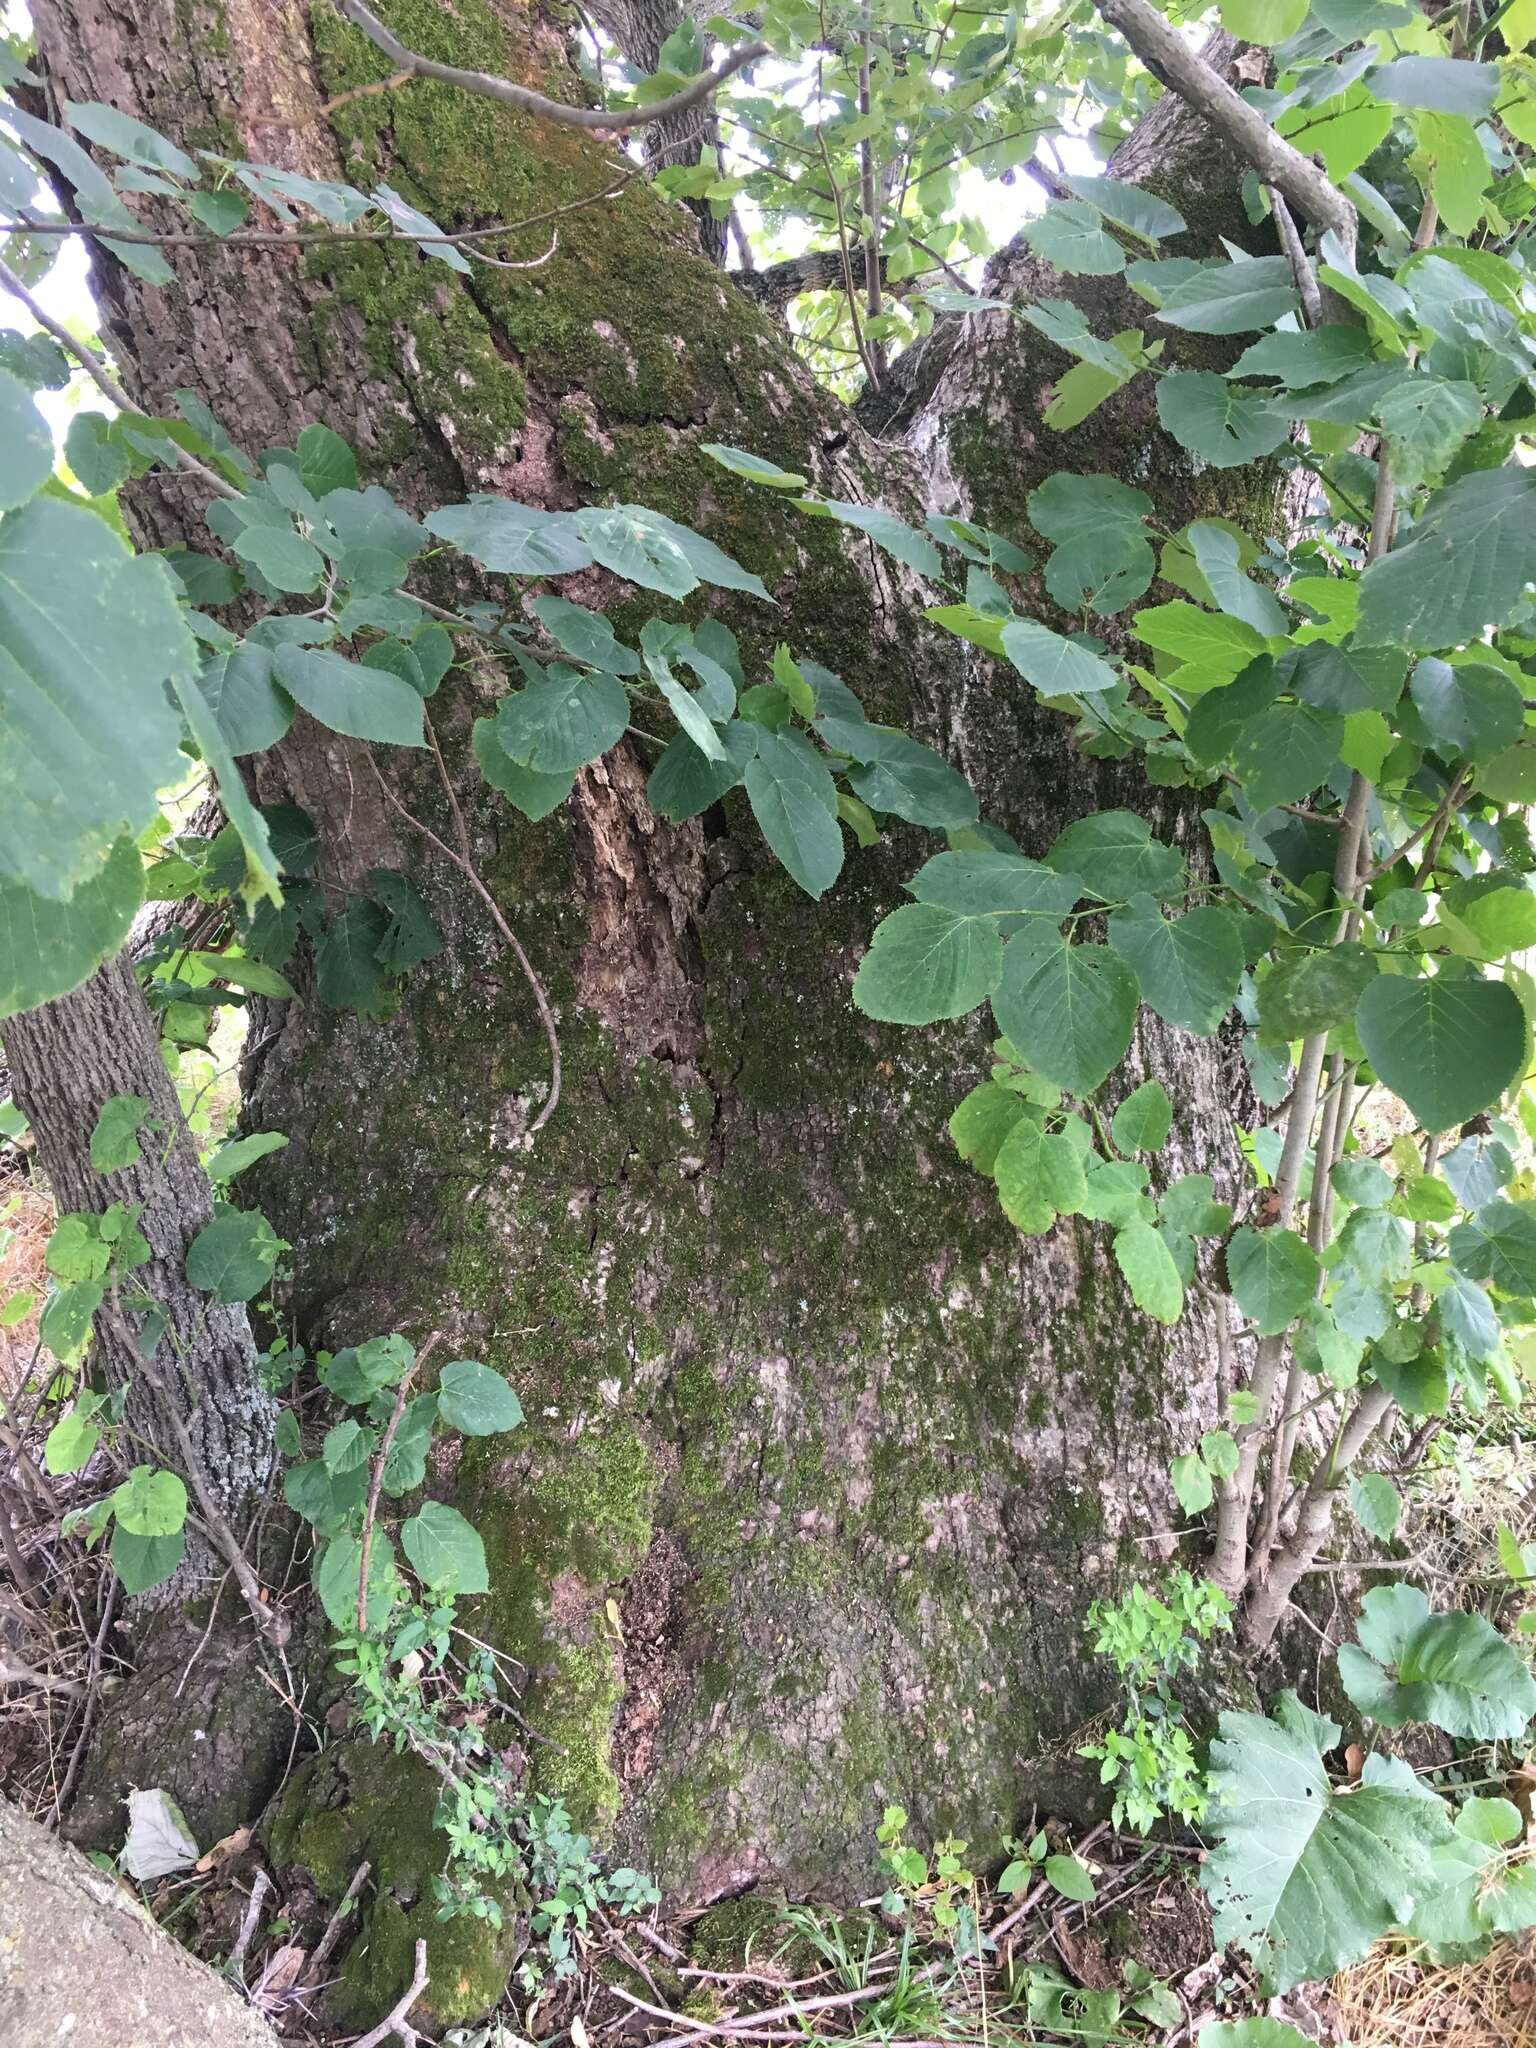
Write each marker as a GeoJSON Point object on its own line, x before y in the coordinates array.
{"type": "Point", "coordinates": [1184, 71]}
{"type": "Point", "coordinates": [488, 86]}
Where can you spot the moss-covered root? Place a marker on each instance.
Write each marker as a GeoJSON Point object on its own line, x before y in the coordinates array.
{"type": "Point", "coordinates": [359, 1802]}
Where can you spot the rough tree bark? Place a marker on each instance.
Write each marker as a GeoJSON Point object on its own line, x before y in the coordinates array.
{"type": "Point", "coordinates": [850, 1456]}
{"type": "Point", "coordinates": [81, 1960]}
{"type": "Point", "coordinates": [67, 1058]}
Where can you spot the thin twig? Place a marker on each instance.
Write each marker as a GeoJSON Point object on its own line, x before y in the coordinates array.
{"type": "Point", "coordinates": [1296, 255]}
{"type": "Point", "coordinates": [334, 1925]}
{"type": "Point", "coordinates": [275, 238]}
{"type": "Point", "coordinates": [464, 862]}
{"type": "Point", "coordinates": [489, 86]}
{"type": "Point", "coordinates": [95, 368]}
{"type": "Point", "coordinates": [92, 1685]}
{"type": "Point", "coordinates": [376, 1481]}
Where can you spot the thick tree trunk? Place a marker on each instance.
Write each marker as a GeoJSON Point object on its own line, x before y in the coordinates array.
{"type": "Point", "coordinates": [81, 1961]}
{"type": "Point", "coordinates": [850, 1455]}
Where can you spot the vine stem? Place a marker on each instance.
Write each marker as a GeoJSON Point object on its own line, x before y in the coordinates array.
{"type": "Point", "coordinates": [376, 1478]}
{"type": "Point", "coordinates": [463, 860]}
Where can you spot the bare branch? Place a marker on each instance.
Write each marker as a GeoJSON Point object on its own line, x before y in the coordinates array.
{"type": "Point", "coordinates": [1184, 71]}
{"type": "Point", "coordinates": [395, 2021]}
{"type": "Point", "coordinates": [488, 86]}
{"type": "Point", "coordinates": [95, 368]}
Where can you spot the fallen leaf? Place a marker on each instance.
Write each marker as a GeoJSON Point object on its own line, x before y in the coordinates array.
{"type": "Point", "coordinates": [159, 1840]}
{"type": "Point", "coordinates": [224, 1851]}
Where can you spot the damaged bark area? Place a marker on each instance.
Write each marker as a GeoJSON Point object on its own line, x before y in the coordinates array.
{"type": "Point", "coordinates": [850, 1455]}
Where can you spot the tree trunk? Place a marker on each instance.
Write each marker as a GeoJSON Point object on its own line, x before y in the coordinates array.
{"type": "Point", "coordinates": [81, 1961]}
{"type": "Point", "coordinates": [67, 1058]}
{"type": "Point", "coordinates": [195, 1716]}
{"type": "Point", "coordinates": [849, 1455]}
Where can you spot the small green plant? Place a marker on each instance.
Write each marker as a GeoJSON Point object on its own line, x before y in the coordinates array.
{"type": "Point", "coordinates": [1149, 1758]}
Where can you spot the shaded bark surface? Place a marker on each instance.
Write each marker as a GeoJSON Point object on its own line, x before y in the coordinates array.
{"type": "Point", "coordinates": [850, 1456]}
{"type": "Point", "coordinates": [81, 1961]}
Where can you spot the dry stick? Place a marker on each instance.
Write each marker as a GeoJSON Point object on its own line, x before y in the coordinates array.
{"type": "Point", "coordinates": [96, 369]}
{"type": "Point", "coordinates": [261, 238]}
{"type": "Point", "coordinates": [487, 85]}
{"type": "Point", "coordinates": [1296, 255]}
{"type": "Point", "coordinates": [394, 2021]}
{"type": "Point", "coordinates": [333, 1926]}
{"type": "Point", "coordinates": [92, 1685]}
{"type": "Point", "coordinates": [259, 1889]}
{"type": "Point", "coordinates": [1279, 163]}
{"type": "Point", "coordinates": [464, 862]}
{"type": "Point", "coordinates": [376, 1481]}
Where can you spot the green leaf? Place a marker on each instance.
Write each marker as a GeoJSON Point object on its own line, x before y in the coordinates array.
{"type": "Point", "coordinates": [348, 1447]}
{"type": "Point", "coordinates": [1322, 355]}
{"type": "Point", "coordinates": [281, 557]}
{"type": "Point", "coordinates": [1363, 1182]}
{"type": "Point", "coordinates": [563, 720]}
{"type": "Point", "coordinates": [1116, 856]}
{"type": "Point", "coordinates": [1191, 1478]}
{"type": "Point", "coordinates": [1498, 1245]}
{"type": "Point", "coordinates": [982, 1121]}
{"type": "Point", "coordinates": [890, 533]}
{"type": "Point", "coordinates": [585, 635]}
{"type": "Point", "coordinates": [1220, 422]}
{"type": "Point", "coordinates": [1447, 1048]}
{"type": "Point", "coordinates": [69, 1445]}
{"type": "Point", "coordinates": [1039, 1175]}
{"type": "Point", "coordinates": [1253, 2033]}
{"type": "Point", "coordinates": [47, 947]}
{"type": "Point", "coordinates": [150, 1502]}
{"type": "Point", "coordinates": [1426, 420]}
{"type": "Point", "coordinates": [65, 1324]}
{"type": "Point", "coordinates": [513, 540]}
{"type": "Point", "coordinates": [240, 690]}
{"type": "Point", "coordinates": [1306, 1877]}
{"type": "Point", "coordinates": [445, 1550]}
{"type": "Point", "coordinates": [1332, 679]}
{"type": "Point", "coordinates": [115, 1137]}
{"type": "Point", "coordinates": [754, 468]}
{"type": "Point", "coordinates": [1440, 85]}
{"type": "Point", "coordinates": [1219, 1453]}
{"type": "Point", "coordinates": [1065, 1874]}
{"type": "Point", "coordinates": [129, 138]}
{"type": "Point", "coordinates": [978, 884]}
{"type": "Point", "coordinates": [1302, 993]}
{"type": "Point", "coordinates": [232, 1257]}
{"type": "Point", "coordinates": [1263, 21]}
{"type": "Point", "coordinates": [1274, 1276]}
{"type": "Point", "coordinates": [1057, 667]}
{"type": "Point", "coordinates": [657, 553]}
{"type": "Point", "coordinates": [1232, 298]}
{"type": "Point", "coordinates": [1189, 967]}
{"type": "Point", "coordinates": [475, 1400]}
{"type": "Point", "coordinates": [26, 444]}
{"type": "Point", "coordinates": [88, 635]}
{"type": "Point", "coordinates": [410, 937]}
{"type": "Point", "coordinates": [144, 1561]}
{"type": "Point", "coordinates": [1209, 641]}
{"type": "Point", "coordinates": [366, 703]}
{"type": "Point", "coordinates": [530, 792]}
{"type": "Point", "coordinates": [259, 879]}
{"type": "Point", "coordinates": [1143, 213]}
{"type": "Point", "coordinates": [336, 1575]}
{"type": "Point", "coordinates": [1284, 753]}
{"type": "Point", "coordinates": [795, 803]}
{"type": "Point", "coordinates": [925, 963]}
{"type": "Point", "coordinates": [326, 463]}
{"type": "Point", "coordinates": [1463, 568]}
{"type": "Point", "coordinates": [1469, 707]}
{"type": "Point", "coordinates": [685, 782]}
{"type": "Point", "coordinates": [1070, 237]}
{"type": "Point", "coordinates": [1377, 1504]}
{"type": "Point", "coordinates": [1454, 1671]}
{"type": "Point", "coordinates": [1070, 1009]}
{"type": "Point", "coordinates": [1189, 1205]}
{"type": "Point", "coordinates": [1150, 1272]}
{"type": "Point", "coordinates": [348, 972]}
{"type": "Point", "coordinates": [1143, 1120]}
{"type": "Point", "coordinates": [1219, 556]}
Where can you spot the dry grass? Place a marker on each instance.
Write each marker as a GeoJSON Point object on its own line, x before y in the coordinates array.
{"type": "Point", "coordinates": [26, 1223]}
{"type": "Point", "coordinates": [1397, 1999]}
